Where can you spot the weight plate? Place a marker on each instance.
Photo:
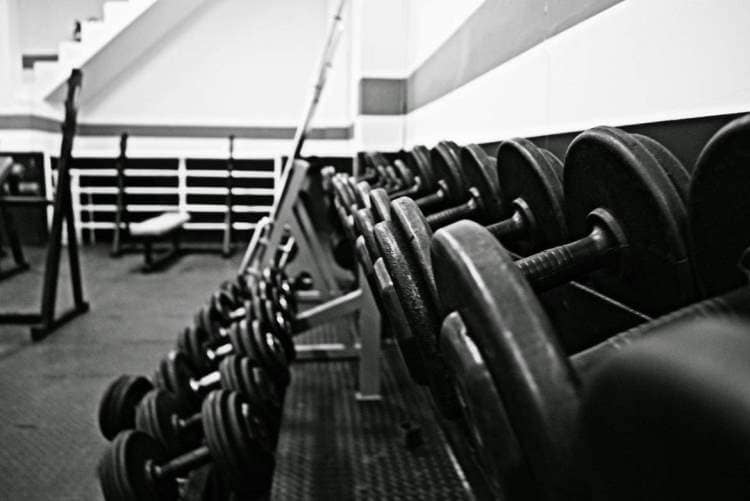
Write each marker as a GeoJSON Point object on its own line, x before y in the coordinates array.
{"type": "Point", "coordinates": [447, 166]}
{"type": "Point", "coordinates": [720, 208]}
{"type": "Point", "coordinates": [606, 168]}
{"type": "Point", "coordinates": [243, 461]}
{"type": "Point", "coordinates": [117, 407]}
{"type": "Point", "coordinates": [179, 375]}
{"type": "Point", "coordinates": [672, 167]}
{"type": "Point", "coordinates": [154, 417]}
{"type": "Point", "coordinates": [381, 205]}
{"type": "Point", "coordinates": [354, 189]}
{"type": "Point", "coordinates": [129, 455]}
{"type": "Point", "coordinates": [523, 172]}
{"type": "Point", "coordinates": [477, 277]}
{"type": "Point", "coordinates": [270, 353]}
{"type": "Point", "coordinates": [419, 162]}
{"type": "Point", "coordinates": [406, 175]}
{"type": "Point", "coordinates": [363, 222]}
{"type": "Point", "coordinates": [505, 468]}
{"type": "Point", "coordinates": [415, 298]}
{"type": "Point", "coordinates": [364, 189]}
{"type": "Point", "coordinates": [481, 174]}
{"type": "Point", "coordinates": [413, 235]}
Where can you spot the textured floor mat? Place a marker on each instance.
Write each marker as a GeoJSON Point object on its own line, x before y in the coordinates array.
{"type": "Point", "coordinates": [333, 447]}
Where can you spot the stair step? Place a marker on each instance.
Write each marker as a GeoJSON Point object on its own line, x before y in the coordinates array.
{"type": "Point", "coordinates": [70, 53]}
{"type": "Point", "coordinates": [92, 31]}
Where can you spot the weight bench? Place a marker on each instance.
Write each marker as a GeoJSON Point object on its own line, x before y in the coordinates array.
{"type": "Point", "coordinates": [163, 225]}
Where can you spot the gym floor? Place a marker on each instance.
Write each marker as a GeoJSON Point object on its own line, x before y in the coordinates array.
{"type": "Point", "coordinates": [330, 445]}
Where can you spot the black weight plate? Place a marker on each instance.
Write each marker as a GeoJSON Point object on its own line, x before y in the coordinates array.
{"type": "Point", "coordinates": [415, 298]}
{"type": "Point", "coordinates": [364, 189]}
{"type": "Point", "coordinates": [481, 174]}
{"type": "Point", "coordinates": [477, 278]}
{"type": "Point", "coordinates": [110, 422]}
{"type": "Point", "coordinates": [275, 321]}
{"type": "Point", "coordinates": [408, 343]}
{"type": "Point", "coordinates": [154, 417]}
{"type": "Point", "coordinates": [346, 196]}
{"type": "Point", "coordinates": [419, 162]}
{"type": "Point", "coordinates": [720, 208]}
{"type": "Point", "coordinates": [381, 205]}
{"type": "Point", "coordinates": [364, 223]}
{"type": "Point", "coordinates": [555, 164]}
{"type": "Point", "coordinates": [179, 375]}
{"type": "Point", "coordinates": [354, 189]}
{"type": "Point", "coordinates": [414, 235]}
{"type": "Point", "coordinates": [447, 166]}
{"type": "Point", "coordinates": [406, 175]}
{"type": "Point", "coordinates": [608, 168]}
{"type": "Point", "coordinates": [242, 460]}
{"type": "Point", "coordinates": [672, 167]}
{"type": "Point", "coordinates": [500, 456]}
{"type": "Point", "coordinates": [130, 452]}
{"type": "Point", "coordinates": [117, 407]}
{"type": "Point", "coordinates": [236, 333]}
{"type": "Point", "coordinates": [191, 343]}
{"type": "Point", "coordinates": [271, 354]}
{"type": "Point", "coordinates": [523, 172]}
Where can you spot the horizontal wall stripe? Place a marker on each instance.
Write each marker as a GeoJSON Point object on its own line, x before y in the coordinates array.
{"type": "Point", "coordinates": [33, 122]}
{"type": "Point", "coordinates": [496, 32]}
{"type": "Point", "coordinates": [28, 60]}
{"type": "Point", "coordinates": [29, 122]}
{"type": "Point", "coordinates": [382, 96]}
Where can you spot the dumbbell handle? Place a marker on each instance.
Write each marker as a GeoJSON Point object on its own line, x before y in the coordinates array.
{"type": "Point", "coordinates": [429, 201]}
{"type": "Point", "coordinates": [518, 224]}
{"type": "Point", "coordinates": [410, 190]}
{"type": "Point", "coordinates": [209, 381]}
{"type": "Point", "coordinates": [181, 464]}
{"type": "Point", "coordinates": [219, 352]}
{"type": "Point", "coordinates": [563, 263]}
{"type": "Point", "coordinates": [182, 425]}
{"type": "Point", "coordinates": [453, 214]}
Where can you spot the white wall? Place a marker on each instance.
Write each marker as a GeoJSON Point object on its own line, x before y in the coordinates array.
{"type": "Point", "coordinates": [45, 23]}
{"type": "Point", "coordinates": [431, 22]}
{"type": "Point", "coordinates": [234, 62]}
{"type": "Point", "coordinates": [640, 61]}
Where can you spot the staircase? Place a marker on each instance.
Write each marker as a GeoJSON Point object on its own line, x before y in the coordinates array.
{"type": "Point", "coordinates": [106, 47]}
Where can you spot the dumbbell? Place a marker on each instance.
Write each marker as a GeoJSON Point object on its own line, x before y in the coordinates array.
{"type": "Point", "coordinates": [137, 467]}
{"type": "Point", "coordinates": [175, 375]}
{"type": "Point", "coordinates": [400, 243]}
{"type": "Point", "coordinates": [504, 330]}
{"type": "Point", "coordinates": [405, 245]}
{"type": "Point", "coordinates": [249, 338]}
{"type": "Point", "coordinates": [161, 414]}
{"type": "Point", "coordinates": [122, 396]}
{"type": "Point", "coordinates": [267, 303]}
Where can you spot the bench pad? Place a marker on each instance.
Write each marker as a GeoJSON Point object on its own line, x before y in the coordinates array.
{"type": "Point", "coordinates": [159, 225]}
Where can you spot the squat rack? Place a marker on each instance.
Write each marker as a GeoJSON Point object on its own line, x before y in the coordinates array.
{"type": "Point", "coordinates": [45, 322]}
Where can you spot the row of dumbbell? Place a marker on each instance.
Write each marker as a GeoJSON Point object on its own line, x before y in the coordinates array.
{"type": "Point", "coordinates": [216, 400]}
{"type": "Point", "coordinates": [621, 217]}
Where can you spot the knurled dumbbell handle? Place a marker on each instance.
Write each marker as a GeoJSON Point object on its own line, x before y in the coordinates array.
{"type": "Point", "coordinates": [182, 464]}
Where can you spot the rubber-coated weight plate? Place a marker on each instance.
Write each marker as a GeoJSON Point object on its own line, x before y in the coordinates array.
{"type": "Point", "coordinates": [477, 277]}
{"type": "Point", "coordinates": [481, 174]}
{"type": "Point", "coordinates": [381, 205]}
{"type": "Point", "coordinates": [720, 208]}
{"type": "Point", "coordinates": [606, 168]}
{"type": "Point", "coordinates": [523, 172]}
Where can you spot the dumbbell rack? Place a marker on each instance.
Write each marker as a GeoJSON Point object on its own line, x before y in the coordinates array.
{"type": "Point", "coordinates": [290, 214]}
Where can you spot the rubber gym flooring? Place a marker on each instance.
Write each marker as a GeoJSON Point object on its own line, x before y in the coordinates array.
{"type": "Point", "coordinates": [331, 447]}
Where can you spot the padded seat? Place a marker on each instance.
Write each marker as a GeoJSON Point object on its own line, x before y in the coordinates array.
{"type": "Point", "coordinates": [159, 225]}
